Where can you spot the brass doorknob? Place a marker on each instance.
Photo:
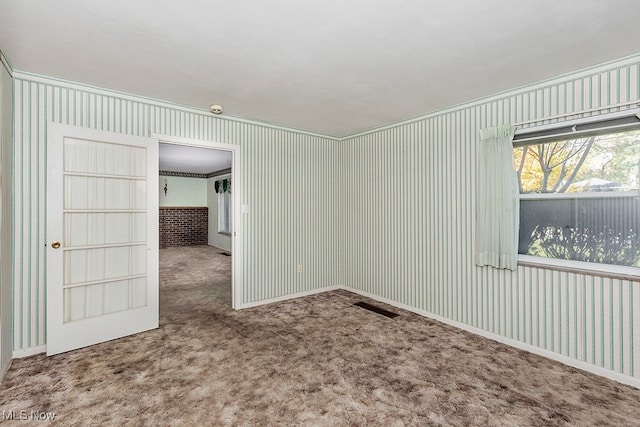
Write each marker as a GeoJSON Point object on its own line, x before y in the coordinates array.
{"type": "Point", "coordinates": [55, 244]}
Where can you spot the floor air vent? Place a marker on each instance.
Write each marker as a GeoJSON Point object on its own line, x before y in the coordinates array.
{"type": "Point", "coordinates": [382, 311]}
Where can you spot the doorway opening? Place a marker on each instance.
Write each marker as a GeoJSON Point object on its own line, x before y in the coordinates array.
{"type": "Point", "coordinates": [199, 207]}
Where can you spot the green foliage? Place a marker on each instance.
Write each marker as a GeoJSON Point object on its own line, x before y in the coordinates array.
{"type": "Point", "coordinates": [582, 244]}
{"type": "Point", "coordinates": [620, 157]}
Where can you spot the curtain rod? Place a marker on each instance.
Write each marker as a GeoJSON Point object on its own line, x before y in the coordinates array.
{"type": "Point", "coordinates": [575, 113]}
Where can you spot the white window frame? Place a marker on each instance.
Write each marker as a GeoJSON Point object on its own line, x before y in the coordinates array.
{"type": "Point", "coordinates": [589, 267]}
{"type": "Point", "coordinates": [630, 272]}
{"type": "Point", "coordinates": [225, 209]}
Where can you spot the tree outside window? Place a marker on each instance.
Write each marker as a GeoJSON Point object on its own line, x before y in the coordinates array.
{"type": "Point", "coordinates": [579, 198]}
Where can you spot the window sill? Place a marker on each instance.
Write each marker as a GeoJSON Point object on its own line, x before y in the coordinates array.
{"type": "Point", "coordinates": [224, 233]}
{"type": "Point", "coordinates": [601, 270]}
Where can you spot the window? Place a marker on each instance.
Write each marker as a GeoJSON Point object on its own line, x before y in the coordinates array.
{"type": "Point", "coordinates": [223, 189]}
{"type": "Point", "coordinates": [579, 195]}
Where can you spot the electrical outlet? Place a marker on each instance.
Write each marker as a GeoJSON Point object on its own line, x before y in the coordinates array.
{"type": "Point", "coordinates": [299, 268]}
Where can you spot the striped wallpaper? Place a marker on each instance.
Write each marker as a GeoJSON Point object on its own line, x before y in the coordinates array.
{"type": "Point", "coordinates": [387, 212]}
{"type": "Point", "coordinates": [409, 230]}
{"type": "Point", "coordinates": [288, 178]}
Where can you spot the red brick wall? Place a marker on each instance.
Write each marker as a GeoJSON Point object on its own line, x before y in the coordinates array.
{"type": "Point", "coordinates": [183, 226]}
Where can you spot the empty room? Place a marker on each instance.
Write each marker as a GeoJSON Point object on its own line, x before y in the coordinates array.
{"type": "Point", "coordinates": [320, 213]}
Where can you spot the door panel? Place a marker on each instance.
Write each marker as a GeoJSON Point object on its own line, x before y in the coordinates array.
{"type": "Point", "coordinates": [102, 281]}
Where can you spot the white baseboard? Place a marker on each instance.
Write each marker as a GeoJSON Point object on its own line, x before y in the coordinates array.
{"type": "Point", "coordinates": [31, 351]}
{"type": "Point", "coordinates": [291, 296]}
{"type": "Point", "coordinates": [616, 376]}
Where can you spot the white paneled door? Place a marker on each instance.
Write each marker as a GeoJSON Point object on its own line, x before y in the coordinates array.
{"type": "Point", "coordinates": [102, 236]}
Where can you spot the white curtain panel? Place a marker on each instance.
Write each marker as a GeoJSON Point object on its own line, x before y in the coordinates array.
{"type": "Point", "coordinates": [222, 213]}
{"type": "Point", "coordinates": [497, 205]}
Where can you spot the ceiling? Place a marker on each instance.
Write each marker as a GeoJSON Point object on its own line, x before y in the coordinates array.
{"type": "Point", "coordinates": [182, 158]}
{"type": "Point", "coordinates": [335, 68]}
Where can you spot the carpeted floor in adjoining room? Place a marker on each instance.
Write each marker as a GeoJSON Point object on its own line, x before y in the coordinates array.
{"type": "Point", "coordinates": [316, 361]}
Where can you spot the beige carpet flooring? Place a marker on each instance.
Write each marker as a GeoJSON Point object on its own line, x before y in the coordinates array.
{"type": "Point", "coordinates": [314, 361]}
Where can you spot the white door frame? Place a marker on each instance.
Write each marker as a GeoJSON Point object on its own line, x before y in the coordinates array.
{"type": "Point", "coordinates": [236, 195]}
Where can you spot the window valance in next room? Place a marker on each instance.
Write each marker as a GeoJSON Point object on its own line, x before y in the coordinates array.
{"type": "Point", "coordinates": [223, 186]}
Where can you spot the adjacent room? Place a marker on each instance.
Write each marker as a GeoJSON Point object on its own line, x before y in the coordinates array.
{"type": "Point", "coordinates": [301, 213]}
{"type": "Point", "coordinates": [195, 215]}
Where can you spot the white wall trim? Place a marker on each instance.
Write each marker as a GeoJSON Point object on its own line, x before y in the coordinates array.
{"type": "Point", "coordinates": [292, 296]}
{"type": "Point", "coordinates": [5, 61]}
{"type": "Point", "coordinates": [612, 375]}
{"type": "Point", "coordinates": [621, 378]}
{"type": "Point", "coordinates": [38, 78]}
{"type": "Point", "coordinates": [31, 351]}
